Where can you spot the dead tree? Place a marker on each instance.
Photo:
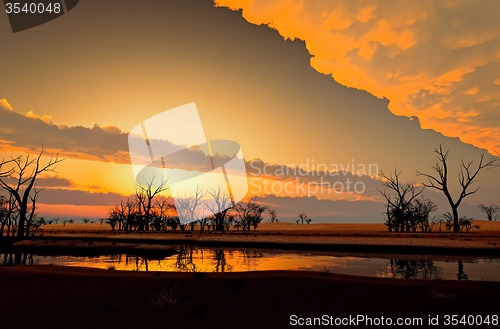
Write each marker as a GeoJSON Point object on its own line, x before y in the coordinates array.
{"type": "Point", "coordinates": [250, 214]}
{"type": "Point", "coordinates": [187, 206]}
{"type": "Point", "coordinates": [4, 213]}
{"type": "Point", "coordinates": [165, 207]}
{"type": "Point", "coordinates": [121, 215]}
{"type": "Point", "coordinates": [8, 214]}
{"type": "Point", "coordinates": [113, 217]}
{"type": "Point", "coordinates": [466, 178]}
{"type": "Point", "coordinates": [6, 206]}
{"type": "Point", "coordinates": [420, 212]}
{"type": "Point", "coordinates": [219, 207]}
{"type": "Point", "coordinates": [5, 172]}
{"type": "Point", "coordinates": [24, 173]}
{"type": "Point", "coordinates": [149, 191]}
{"type": "Point", "coordinates": [490, 210]}
{"type": "Point", "coordinates": [399, 200]}
{"type": "Point", "coordinates": [304, 218]}
{"type": "Point", "coordinates": [140, 202]}
{"type": "Point", "coordinates": [32, 210]}
{"type": "Point", "coordinates": [273, 216]}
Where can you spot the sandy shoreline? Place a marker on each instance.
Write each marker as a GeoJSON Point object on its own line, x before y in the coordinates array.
{"type": "Point", "coordinates": [359, 238]}
{"type": "Point", "coordinates": [48, 296]}
{"type": "Point", "coordinates": [74, 245]}
{"type": "Point", "coordinates": [68, 297]}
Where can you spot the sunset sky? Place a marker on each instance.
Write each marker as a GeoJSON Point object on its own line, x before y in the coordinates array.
{"type": "Point", "coordinates": [293, 82]}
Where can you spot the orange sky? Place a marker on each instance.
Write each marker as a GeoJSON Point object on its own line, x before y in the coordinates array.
{"type": "Point", "coordinates": [437, 60]}
{"type": "Point", "coordinates": [434, 63]}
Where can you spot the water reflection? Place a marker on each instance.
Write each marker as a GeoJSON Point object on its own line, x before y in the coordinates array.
{"type": "Point", "coordinates": [11, 259]}
{"type": "Point", "coordinates": [185, 261]}
{"type": "Point", "coordinates": [405, 269]}
{"type": "Point", "coordinates": [461, 274]}
{"type": "Point", "coordinates": [198, 259]}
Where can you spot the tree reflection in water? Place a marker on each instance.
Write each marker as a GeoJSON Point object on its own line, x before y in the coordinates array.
{"type": "Point", "coordinates": [196, 259]}
{"type": "Point", "coordinates": [405, 269]}
{"type": "Point", "coordinates": [461, 274]}
{"type": "Point", "coordinates": [188, 258]}
{"type": "Point", "coordinates": [184, 259]}
{"type": "Point", "coordinates": [251, 258]}
{"type": "Point", "coordinates": [17, 259]}
{"type": "Point", "coordinates": [410, 269]}
{"type": "Point", "coordinates": [220, 261]}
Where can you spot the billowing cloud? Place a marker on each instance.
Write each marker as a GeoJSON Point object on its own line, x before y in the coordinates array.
{"type": "Point", "coordinates": [5, 104]}
{"type": "Point", "coordinates": [54, 181]}
{"type": "Point", "coordinates": [333, 181]}
{"type": "Point", "coordinates": [30, 132]}
{"type": "Point", "coordinates": [109, 143]}
{"type": "Point", "coordinates": [44, 118]}
{"type": "Point", "coordinates": [337, 181]}
{"type": "Point", "coordinates": [436, 60]}
{"type": "Point", "coordinates": [79, 198]}
{"type": "Point", "coordinates": [45, 182]}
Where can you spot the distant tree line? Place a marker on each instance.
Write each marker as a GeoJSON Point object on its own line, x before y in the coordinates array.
{"type": "Point", "coordinates": [148, 210]}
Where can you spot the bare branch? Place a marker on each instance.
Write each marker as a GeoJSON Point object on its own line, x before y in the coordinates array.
{"type": "Point", "coordinates": [466, 177]}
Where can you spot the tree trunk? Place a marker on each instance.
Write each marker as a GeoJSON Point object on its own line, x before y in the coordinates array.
{"type": "Point", "coordinates": [220, 225]}
{"type": "Point", "coordinates": [28, 227]}
{"type": "Point", "coordinates": [456, 227]}
{"type": "Point", "coordinates": [22, 220]}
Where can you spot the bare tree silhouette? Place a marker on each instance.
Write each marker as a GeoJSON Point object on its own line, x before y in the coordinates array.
{"type": "Point", "coordinates": [304, 218]}
{"type": "Point", "coordinates": [164, 207]}
{"type": "Point", "coordinates": [187, 206]}
{"type": "Point", "coordinates": [148, 192]}
{"type": "Point", "coordinates": [420, 211]}
{"type": "Point", "coordinates": [113, 219]}
{"type": "Point", "coordinates": [399, 201]}
{"type": "Point", "coordinates": [32, 210]}
{"type": "Point", "coordinates": [250, 214]}
{"type": "Point", "coordinates": [6, 172]}
{"type": "Point", "coordinates": [273, 216]}
{"type": "Point", "coordinates": [490, 210]}
{"type": "Point", "coordinates": [8, 214]}
{"type": "Point", "coordinates": [24, 173]}
{"type": "Point", "coordinates": [466, 178]}
{"type": "Point", "coordinates": [219, 207]}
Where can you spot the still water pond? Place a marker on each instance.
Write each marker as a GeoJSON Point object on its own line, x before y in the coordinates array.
{"type": "Point", "coordinates": [205, 259]}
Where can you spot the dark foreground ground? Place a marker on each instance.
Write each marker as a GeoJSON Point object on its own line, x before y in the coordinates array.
{"type": "Point", "coordinates": [71, 298]}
